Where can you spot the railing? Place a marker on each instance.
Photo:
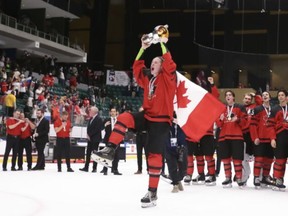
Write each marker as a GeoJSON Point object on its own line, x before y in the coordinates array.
{"type": "Point", "coordinates": [12, 22]}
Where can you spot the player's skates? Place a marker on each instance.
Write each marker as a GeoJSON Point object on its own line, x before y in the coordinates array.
{"type": "Point", "coordinates": [210, 181]}
{"type": "Point", "coordinates": [279, 186]}
{"type": "Point", "coordinates": [257, 183]}
{"type": "Point", "coordinates": [227, 183]}
{"type": "Point", "coordinates": [267, 181]}
{"type": "Point", "coordinates": [149, 200]}
{"type": "Point", "coordinates": [240, 183]}
{"type": "Point", "coordinates": [199, 180]}
{"type": "Point", "coordinates": [104, 157]}
{"type": "Point", "coordinates": [188, 179]}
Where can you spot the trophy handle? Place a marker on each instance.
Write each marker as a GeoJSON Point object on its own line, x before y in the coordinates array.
{"type": "Point", "coordinates": [159, 31]}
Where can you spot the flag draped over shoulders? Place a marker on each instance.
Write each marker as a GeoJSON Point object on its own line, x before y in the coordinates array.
{"type": "Point", "coordinates": [196, 108]}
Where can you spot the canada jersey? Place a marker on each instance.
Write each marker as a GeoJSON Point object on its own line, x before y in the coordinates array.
{"type": "Point", "coordinates": [159, 91]}
{"type": "Point", "coordinates": [232, 130]}
{"type": "Point", "coordinates": [249, 111]}
{"type": "Point", "coordinates": [279, 119]}
{"type": "Point", "coordinates": [261, 126]}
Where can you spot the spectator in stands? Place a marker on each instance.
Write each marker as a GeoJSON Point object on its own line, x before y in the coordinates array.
{"type": "Point", "coordinates": [45, 80]}
{"type": "Point", "coordinates": [61, 78]}
{"type": "Point", "coordinates": [86, 102]}
{"type": "Point", "coordinates": [10, 103]}
{"type": "Point", "coordinates": [16, 75]}
{"type": "Point", "coordinates": [134, 88]}
{"type": "Point", "coordinates": [55, 111]}
{"type": "Point", "coordinates": [2, 63]}
{"type": "Point", "coordinates": [28, 107]}
{"type": "Point", "coordinates": [3, 73]}
{"type": "Point", "coordinates": [51, 80]}
{"type": "Point", "coordinates": [34, 111]}
{"type": "Point", "coordinates": [78, 114]}
{"type": "Point", "coordinates": [40, 100]}
{"type": "Point", "coordinates": [91, 95]}
{"type": "Point", "coordinates": [38, 91]}
{"type": "Point", "coordinates": [73, 82]}
{"type": "Point", "coordinates": [8, 65]}
{"type": "Point", "coordinates": [4, 86]}
{"type": "Point", "coordinates": [103, 95]}
{"type": "Point", "coordinates": [52, 61]}
{"type": "Point", "coordinates": [16, 87]}
{"type": "Point", "coordinates": [23, 86]}
{"type": "Point", "coordinates": [124, 106]}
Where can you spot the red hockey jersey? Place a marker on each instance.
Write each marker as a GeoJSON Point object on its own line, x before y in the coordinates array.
{"type": "Point", "coordinates": [261, 126]}
{"type": "Point", "coordinates": [158, 108]}
{"type": "Point", "coordinates": [232, 130]}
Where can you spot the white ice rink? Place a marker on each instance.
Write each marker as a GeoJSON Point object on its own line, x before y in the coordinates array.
{"type": "Point", "coordinates": [49, 193]}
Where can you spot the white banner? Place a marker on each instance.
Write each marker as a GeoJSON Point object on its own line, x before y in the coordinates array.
{"type": "Point", "coordinates": [119, 78]}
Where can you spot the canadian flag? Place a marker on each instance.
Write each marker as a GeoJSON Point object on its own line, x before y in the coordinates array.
{"type": "Point", "coordinates": [196, 108]}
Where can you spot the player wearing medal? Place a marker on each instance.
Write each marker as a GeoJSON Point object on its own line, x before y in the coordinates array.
{"type": "Point", "coordinates": [279, 139]}
{"type": "Point", "coordinates": [159, 91]}
{"type": "Point", "coordinates": [260, 129]}
{"type": "Point", "coordinates": [248, 143]}
{"type": "Point", "coordinates": [231, 143]}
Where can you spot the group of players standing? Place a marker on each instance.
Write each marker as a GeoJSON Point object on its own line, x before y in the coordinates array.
{"type": "Point", "coordinates": [250, 129]}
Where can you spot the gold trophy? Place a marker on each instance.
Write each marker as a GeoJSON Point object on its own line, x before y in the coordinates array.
{"type": "Point", "coordinates": [154, 37]}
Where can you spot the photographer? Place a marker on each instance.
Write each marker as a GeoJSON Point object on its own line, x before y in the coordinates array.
{"type": "Point", "coordinates": [176, 156]}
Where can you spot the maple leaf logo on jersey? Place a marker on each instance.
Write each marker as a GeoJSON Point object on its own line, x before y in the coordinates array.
{"type": "Point", "coordinates": [182, 100]}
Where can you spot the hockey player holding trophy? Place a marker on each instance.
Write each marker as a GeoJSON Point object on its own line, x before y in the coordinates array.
{"type": "Point", "coordinates": [159, 90]}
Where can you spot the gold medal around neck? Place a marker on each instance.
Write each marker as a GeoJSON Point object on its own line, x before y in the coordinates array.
{"type": "Point", "coordinates": [229, 118]}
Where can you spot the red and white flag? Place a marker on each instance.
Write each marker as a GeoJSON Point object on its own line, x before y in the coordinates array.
{"type": "Point", "coordinates": [195, 107]}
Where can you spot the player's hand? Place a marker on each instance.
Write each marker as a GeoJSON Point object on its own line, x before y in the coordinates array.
{"type": "Point", "coordinates": [257, 141]}
{"type": "Point", "coordinates": [273, 143]}
{"type": "Point", "coordinates": [210, 80]}
{"type": "Point", "coordinates": [163, 39]}
{"type": "Point", "coordinates": [143, 44]}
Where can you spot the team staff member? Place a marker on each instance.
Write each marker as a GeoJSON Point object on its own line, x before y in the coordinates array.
{"type": "Point", "coordinates": [108, 127]}
{"type": "Point", "coordinates": [159, 92]}
{"type": "Point", "coordinates": [13, 125]}
{"type": "Point", "coordinates": [231, 146]}
{"type": "Point", "coordinates": [94, 128]}
{"type": "Point", "coordinates": [62, 127]}
{"type": "Point", "coordinates": [260, 130]}
{"type": "Point", "coordinates": [25, 142]}
{"type": "Point", "coordinates": [279, 116]}
{"type": "Point", "coordinates": [41, 136]}
{"type": "Point", "coordinates": [176, 156]}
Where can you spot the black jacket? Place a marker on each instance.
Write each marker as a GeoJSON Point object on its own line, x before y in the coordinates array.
{"type": "Point", "coordinates": [43, 131]}
{"type": "Point", "coordinates": [108, 130]}
{"type": "Point", "coordinates": [94, 129]}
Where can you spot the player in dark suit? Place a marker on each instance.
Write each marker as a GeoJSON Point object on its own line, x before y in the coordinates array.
{"type": "Point", "coordinates": [94, 128]}
{"type": "Point", "coordinates": [40, 135]}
